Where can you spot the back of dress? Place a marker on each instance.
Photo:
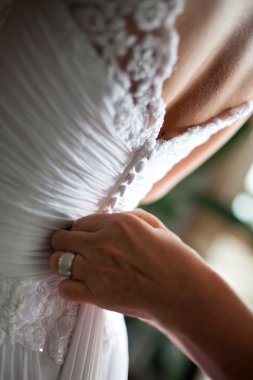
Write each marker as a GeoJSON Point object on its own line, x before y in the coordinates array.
{"type": "Point", "coordinates": [80, 112]}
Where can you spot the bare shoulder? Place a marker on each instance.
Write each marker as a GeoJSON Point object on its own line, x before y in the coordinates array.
{"type": "Point", "coordinates": [214, 71]}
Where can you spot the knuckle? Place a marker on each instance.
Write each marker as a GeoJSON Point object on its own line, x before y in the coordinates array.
{"type": "Point", "coordinates": [128, 218]}
{"type": "Point", "coordinates": [55, 239]}
{"type": "Point", "coordinates": [81, 245]}
{"type": "Point", "coordinates": [63, 290]}
{"type": "Point", "coordinates": [116, 224]}
{"type": "Point", "coordinates": [84, 220]}
{"type": "Point", "coordinates": [60, 239]}
{"type": "Point", "coordinates": [100, 238]}
{"type": "Point", "coordinates": [54, 261]}
{"type": "Point", "coordinates": [77, 223]}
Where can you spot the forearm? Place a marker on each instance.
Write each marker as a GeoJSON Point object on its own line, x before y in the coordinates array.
{"type": "Point", "coordinates": [212, 326]}
{"type": "Point", "coordinates": [146, 271]}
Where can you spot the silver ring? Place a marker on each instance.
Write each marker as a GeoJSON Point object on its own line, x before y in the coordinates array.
{"type": "Point", "coordinates": [65, 263]}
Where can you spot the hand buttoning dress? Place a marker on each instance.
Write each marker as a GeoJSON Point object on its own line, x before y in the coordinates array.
{"type": "Point", "coordinates": [80, 112]}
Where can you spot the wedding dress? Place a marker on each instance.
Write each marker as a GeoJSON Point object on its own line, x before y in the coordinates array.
{"type": "Point", "coordinates": [78, 135]}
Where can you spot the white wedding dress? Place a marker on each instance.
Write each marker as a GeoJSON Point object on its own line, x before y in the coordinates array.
{"type": "Point", "coordinates": [78, 131]}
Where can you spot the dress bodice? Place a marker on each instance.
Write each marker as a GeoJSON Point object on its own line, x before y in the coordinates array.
{"type": "Point", "coordinates": [80, 112]}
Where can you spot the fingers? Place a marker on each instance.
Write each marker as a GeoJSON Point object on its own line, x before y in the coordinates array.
{"type": "Point", "coordinates": [94, 222]}
{"type": "Point", "coordinates": [77, 241]}
{"type": "Point", "coordinates": [54, 260]}
{"type": "Point", "coordinates": [91, 223]}
{"type": "Point", "coordinates": [147, 217]}
{"type": "Point", "coordinates": [74, 290]}
{"type": "Point", "coordinates": [81, 265]}
{"type": "Point", "coordinates": [82, 244]}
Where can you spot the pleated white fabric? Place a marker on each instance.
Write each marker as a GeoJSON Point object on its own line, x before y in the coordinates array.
{"type": "Point", "coordinates": [61, 157]}
{"type": "Point", "coordinates": [55, 166]}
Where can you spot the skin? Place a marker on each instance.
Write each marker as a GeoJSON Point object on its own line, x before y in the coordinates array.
{"type": "Point", "coordinates": [131, 263]}
{"type": "Point", "coordinates": [146, 271]}
{"type": "Point", "coordinates": [214, 73]}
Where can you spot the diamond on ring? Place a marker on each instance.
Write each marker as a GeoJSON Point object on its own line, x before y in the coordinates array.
{"type": "Point", "coordinates": [65, 263]}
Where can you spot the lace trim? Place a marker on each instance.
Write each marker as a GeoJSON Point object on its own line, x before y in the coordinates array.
{"type": "Point", "coordinates": [138, 45]}
{"type": "Point", "coordinates": [31, 311]}
{"type": "Point", "coordinates": [34, 315]}
{"type": "Point", "coordinates": [182, 145]}
{"type": "Point", "coordinates": [163, 154]}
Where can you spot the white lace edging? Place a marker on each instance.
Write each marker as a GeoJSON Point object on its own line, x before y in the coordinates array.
{"type": "Point", "coordinates": [201, 133]}
{"type": "Point", "coordinates": [156, 157]}
{"type": "Point", "coordinates": [138, 59]}
{"type": "Point", "coordinates": [31, 311]}
{"type": "Point", "coordinates": [34, 315]}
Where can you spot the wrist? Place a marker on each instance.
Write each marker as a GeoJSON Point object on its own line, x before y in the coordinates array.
{"type": "Point", "coordinates": [190, 296]}
{"type": "Point", "coordinates": [209, 322]}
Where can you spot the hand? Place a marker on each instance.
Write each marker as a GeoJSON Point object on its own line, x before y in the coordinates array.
{"type": "Point", "coordinates": [131, 263]}
{"type": "Point", "coordinates": [127, 262]}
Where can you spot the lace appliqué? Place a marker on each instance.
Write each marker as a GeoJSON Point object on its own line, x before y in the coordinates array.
{"type": "Point", "coordinates": [180, 146]}
{"type": "Point", "coordinates": [34, 315]}
{"type": "Point", "coordinates": [138, 44]}
{"type": "Point", "coordinates": [156, 157]}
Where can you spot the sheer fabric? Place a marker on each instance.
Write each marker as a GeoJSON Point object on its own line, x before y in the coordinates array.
{"type": "Point", "coordinates": [78, 135]}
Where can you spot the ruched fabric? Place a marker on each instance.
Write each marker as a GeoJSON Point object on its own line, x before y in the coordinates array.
{"type": "Point", "coordinates": [55, 166]}
{"type": "Point", "coordinates": [62, 157]}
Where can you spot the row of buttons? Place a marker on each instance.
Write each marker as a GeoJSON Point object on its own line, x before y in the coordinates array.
{"type": "Point", "coordinates": [145, 154]}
